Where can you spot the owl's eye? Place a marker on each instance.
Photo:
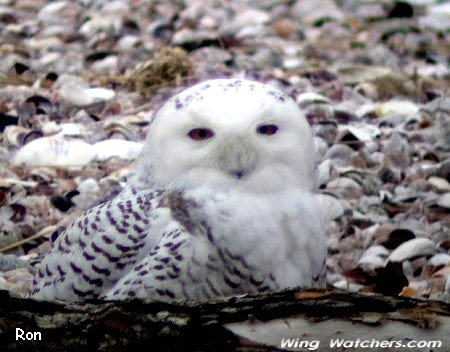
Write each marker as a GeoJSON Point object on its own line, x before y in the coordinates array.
{"type": "Point", "coordinates": [200, 134]}
{"type": "Point", "coordinates": [268, 130]}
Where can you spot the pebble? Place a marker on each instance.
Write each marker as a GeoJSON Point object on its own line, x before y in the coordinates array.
{"type": "Point", "coordinates": [345, 187]}
{"type": "Point", "coordinates": [444, 200]}
{"type": "Point", "coordinates": [373, 258]}
{"type": "Point", "coordinates": [413, 248]}
{"type": "Point", "coordinates": [116, 148]}
{"type": "Point", "coordinates": [9, 262]}
{"type": "Point", "coordinates": [55, 151]}
{"type": "Point", "coordinates": [81, 96]}
{"type": "Point", "coordinates": [396, 107]}
{"type": "Point", "coordinates": [48, 12]}
{"type": "Point", "coordinates": [331, 206]}
{"type": "Point", "coordinates": [440, 183]}
{"type": "Point", "coordinates": [439, 259]}
{"type": "Point", "coordinates": [18, 280]}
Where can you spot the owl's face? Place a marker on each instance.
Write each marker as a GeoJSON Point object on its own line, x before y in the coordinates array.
{"type": "Point", "coordinates": [229, 134]}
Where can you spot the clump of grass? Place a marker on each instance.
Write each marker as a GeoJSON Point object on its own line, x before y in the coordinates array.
{"type": "Point", "coordinates": [169, 67]}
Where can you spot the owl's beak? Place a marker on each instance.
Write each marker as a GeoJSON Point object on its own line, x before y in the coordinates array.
{"type": "Point", "coordinates": [239, 173]}
{"type": "Point", "coordinates": [237, 159]}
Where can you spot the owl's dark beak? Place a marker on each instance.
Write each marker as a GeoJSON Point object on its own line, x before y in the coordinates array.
{"type": "Point", "coordinates": [237, 158]}
{"type": "Point", "coordinates": [239, 174]}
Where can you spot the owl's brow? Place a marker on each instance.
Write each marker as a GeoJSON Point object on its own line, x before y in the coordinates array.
{"type": "Point", "coordinates": [265, 114]}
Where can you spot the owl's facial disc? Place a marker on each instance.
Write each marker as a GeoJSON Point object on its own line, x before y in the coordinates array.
{"type": "Point", "coordinates": [229, 134]}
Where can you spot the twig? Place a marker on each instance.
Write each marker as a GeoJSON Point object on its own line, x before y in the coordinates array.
{"type": "Point", "coordinates": [43, 232]}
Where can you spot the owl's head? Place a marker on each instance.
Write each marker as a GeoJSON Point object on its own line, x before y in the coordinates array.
{"type": "Point", "coordinates": [229, 134]}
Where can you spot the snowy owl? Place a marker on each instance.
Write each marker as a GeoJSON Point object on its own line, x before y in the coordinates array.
{"type": "Point", "coordinates": [222, 204]}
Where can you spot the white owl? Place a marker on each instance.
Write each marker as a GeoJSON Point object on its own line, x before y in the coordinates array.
{"type": "Point", "coordinates": [222, 204]}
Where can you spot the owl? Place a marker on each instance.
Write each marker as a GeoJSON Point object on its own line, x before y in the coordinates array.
{"type": "Point", "coordinates": [222, 203]}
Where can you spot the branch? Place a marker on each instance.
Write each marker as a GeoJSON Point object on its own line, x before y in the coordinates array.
{"type": "Point", "coordinates": [247, 323]}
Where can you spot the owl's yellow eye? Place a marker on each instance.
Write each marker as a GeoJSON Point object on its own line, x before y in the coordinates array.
{"type": "Point", "coordinates": [268, 130]}
{"type": "Point", "coordinates": [200, 134]}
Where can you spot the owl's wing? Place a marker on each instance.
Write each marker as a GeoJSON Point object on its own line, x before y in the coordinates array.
{"type": "Point", "coordinates": [188, 266]}
{"type": "Point", "coordinates": [160, 273]}
{"type": "Point", "coordinates": [101, 246]}
{"type": "Point", "coordinates": [147, 244]}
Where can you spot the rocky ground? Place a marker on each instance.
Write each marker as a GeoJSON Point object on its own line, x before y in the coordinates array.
{"type": "Point", "coordinates": [79, 81]}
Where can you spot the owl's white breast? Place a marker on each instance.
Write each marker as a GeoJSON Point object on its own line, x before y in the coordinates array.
{"type": "Point", "coordinates": [281, 233]}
